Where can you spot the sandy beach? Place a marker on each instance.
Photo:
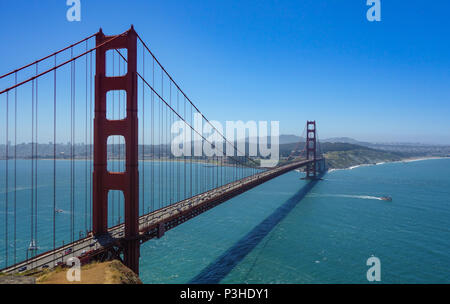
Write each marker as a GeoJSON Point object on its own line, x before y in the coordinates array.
{"type": "Point", "coordinates": [406, 160]}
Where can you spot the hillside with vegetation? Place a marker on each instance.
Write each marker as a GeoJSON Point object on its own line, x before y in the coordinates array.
{"type": "Point", "coordinates": [345, 155]}
{"type": "Point", "coordinates": [350, 158]}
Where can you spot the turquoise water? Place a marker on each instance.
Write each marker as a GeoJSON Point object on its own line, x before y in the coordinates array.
{"type": "Point", "coordinates": [283, 232]}
{"type": "Point", "coordinates": [73, 196]}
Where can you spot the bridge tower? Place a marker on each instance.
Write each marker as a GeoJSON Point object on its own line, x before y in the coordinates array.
{"type": "Point", "coordinates": [311, 151]}
{"type": "Point", "coordinates": [103, 180]}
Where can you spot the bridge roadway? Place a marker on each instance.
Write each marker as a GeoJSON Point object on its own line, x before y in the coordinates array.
{"type": "Point", "coordinates": [154, 224]}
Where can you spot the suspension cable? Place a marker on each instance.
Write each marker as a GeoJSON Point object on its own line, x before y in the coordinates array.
{"type": "Point", "coordinates": [187, 98]}
{"type": "Point", "coordinates": [61, 64]}
{"type": "Point", "coordinates": [47, 57]}
{"type": "Point", "coordinates": [170, 107]}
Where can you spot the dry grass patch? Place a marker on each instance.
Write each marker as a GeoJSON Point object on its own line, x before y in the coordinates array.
{"type": "Point", "coordinates": [111, 272]}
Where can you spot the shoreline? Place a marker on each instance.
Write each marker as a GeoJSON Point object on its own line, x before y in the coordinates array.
{"type": "Point", "coordinates": [405, 160]}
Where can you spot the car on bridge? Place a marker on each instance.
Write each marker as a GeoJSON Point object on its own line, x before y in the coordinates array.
{"type": "Point", "coordinates": [85, 257]}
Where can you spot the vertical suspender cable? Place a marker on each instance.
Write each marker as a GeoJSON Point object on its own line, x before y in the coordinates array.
{"type": "Point", "coordinates": [36, 165]}
{"type": "Point", "coordinates": [178, 164]}
{"type": "Point", "coordinates": [143, 134]}
{"type": "Point", "coordinates": [32, 168]}
{"type": "Point", "coordinates": [54, 160]}
{"type": "Point", "coordinates": [71, 143]}
{"type": "Point", "coordinates": [162, 168]}
{"type": "Point", "coordinates": [159, 154]}
{"type": "Point", "coordinates": [169, 151]}
{"type": "Point", "coordinates": [190, 160]}
{"type": "Point", "coordinates": [6, 180]}
{"type": "Point", "coordinates": [85, 150]}
{"type": "Point", "coordinates": [15, 170]}
{"type": "Point", "coordinates": [172, 118]}
{"type": "Point", "coordinates": [163, 133]}
{"type": "Point", "coordinates": [74, 145]}
{"type": "Point", "coordinates": [185, 152]}
{"type": "Point", "coordinates": [153, 137]}
{"type": "Point", "coordinates": [166, 196]}
{"type": "Point", "coordinates": [72, 116]}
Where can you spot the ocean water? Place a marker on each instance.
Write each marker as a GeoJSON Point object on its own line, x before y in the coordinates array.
{"type": "Point", "coordinates": [285, 231]}
{"type": "Point", "coordinates": [73, 196]}
{"type": "Point", "coordinates": [293, 231]}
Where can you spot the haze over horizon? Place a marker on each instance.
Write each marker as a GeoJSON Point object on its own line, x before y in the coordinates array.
{"type": "Point", "coordinates": [284, 139]}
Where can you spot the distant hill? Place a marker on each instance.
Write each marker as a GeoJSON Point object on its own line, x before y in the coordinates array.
{"type": "Point", "coordinates": [282, 139]}
{"type": "Point", "coordinates": [287, 149]}
{"type": "Point", "coordinates": [346, 140]}
{"type": "Point", "coordinates": [289, 139]}
{"type": "Point", "coordinates": [355, 157]}
{"type": "Point", "coordinates": [341, 155]}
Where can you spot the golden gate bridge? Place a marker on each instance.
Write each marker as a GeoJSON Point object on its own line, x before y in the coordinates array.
{"type": "Point", "coordinates": [113, 103]}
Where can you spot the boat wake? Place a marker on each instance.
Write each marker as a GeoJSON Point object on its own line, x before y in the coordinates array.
{"type": "Point", "coordinates": [367, 197]}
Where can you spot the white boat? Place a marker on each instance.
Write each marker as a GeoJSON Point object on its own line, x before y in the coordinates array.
{"type": "Point", "coordinates": [32, 245]}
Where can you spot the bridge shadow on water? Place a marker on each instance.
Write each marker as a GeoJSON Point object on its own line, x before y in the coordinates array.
{"type": "Point", "coordinates": [224, 264]}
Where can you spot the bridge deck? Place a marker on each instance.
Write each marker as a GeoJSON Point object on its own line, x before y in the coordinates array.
{"type": "Point", "coordinates": [154, 224]}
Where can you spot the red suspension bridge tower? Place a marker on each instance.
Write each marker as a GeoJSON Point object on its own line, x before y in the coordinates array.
{"type": "Point", "coordinates": [311, 151]}
{"type": "Point", "coordinates": [103, 180]}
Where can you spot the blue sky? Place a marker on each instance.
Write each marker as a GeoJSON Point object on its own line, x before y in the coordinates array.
{"type": "Point", "coordinates": [275, 60]}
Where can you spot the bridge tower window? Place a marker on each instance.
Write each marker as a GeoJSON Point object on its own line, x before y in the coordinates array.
{"type": "Point", "coordinates": [116, 105]}
{"type": "Point", "coordinates": [116, 155]}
